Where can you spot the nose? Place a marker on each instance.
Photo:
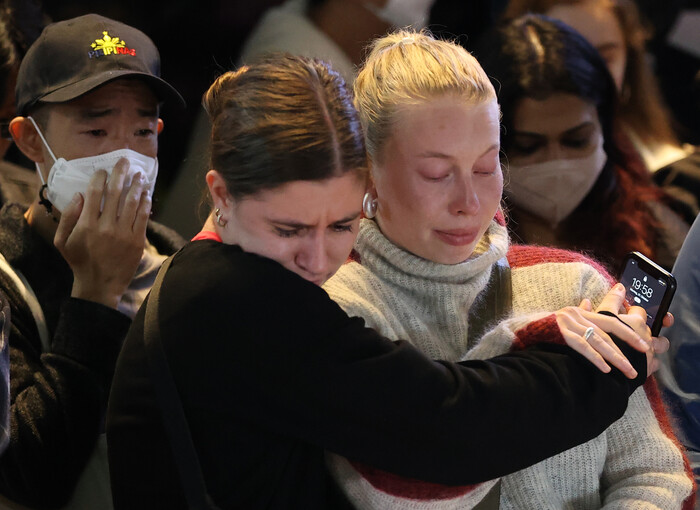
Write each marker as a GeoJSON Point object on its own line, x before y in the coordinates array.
{"type": "Point", "coordinates": [312, 256]}
{"type": "Point", "coordinates": [121, 140]}
{"type": "Point", "coordinates": [554, 152]}
{"type": "Point", "coordinates": [463, 198]}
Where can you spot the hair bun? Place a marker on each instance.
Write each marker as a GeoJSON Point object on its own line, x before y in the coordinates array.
{"type": "Point", "coordinates": [217, 98]}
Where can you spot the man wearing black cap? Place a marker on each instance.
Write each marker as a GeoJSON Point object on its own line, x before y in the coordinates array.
{"type": "Point", "coordinates": [81, 258]}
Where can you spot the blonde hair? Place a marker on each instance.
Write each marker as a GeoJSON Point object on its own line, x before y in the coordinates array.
{"type": "Point", "coordinates": [407, 67]}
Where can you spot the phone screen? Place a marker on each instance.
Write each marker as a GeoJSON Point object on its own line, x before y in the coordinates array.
{"type": "Point", "coordinates": [643, 289]}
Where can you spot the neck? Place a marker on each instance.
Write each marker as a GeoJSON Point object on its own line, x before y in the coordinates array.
{"type": "Point", "coordinates": [350, 25]}
{"type": "Point", "coordinates": [210, 225]}
{"type": "Point", "coordinates": [534, 230]}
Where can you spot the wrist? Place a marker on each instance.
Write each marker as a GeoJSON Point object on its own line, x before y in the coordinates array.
{"type": "Point", "coordinates": [98, 295]}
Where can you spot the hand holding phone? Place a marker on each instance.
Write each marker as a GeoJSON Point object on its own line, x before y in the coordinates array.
{"type": "Point", "coordinates": [649, 286]}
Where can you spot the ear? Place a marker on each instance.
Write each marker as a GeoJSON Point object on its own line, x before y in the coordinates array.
{"type": "Point", "coordinates": [371, 180]}
{"type": "Point", "coordinates": [27, 139]}
{"type": "Point", "coordinates": [217, 189]}
{"type": "Point", "coordinates": [160, 127]}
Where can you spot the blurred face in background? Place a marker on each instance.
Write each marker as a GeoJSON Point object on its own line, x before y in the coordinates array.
{"type": "Point", "coordinates": [596, 21]}
{"type": "Point", "coordinates": [563, 126]}
{"type": "Point", "coordinates": [555, 155]}
{"type": "Point", "coordinates": [439, 181]}
{"type": "Point", "coordinates": [401, 13]}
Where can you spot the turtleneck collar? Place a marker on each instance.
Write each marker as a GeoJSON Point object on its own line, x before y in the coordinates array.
{"type": "Point", "coordinates": [382, 257]}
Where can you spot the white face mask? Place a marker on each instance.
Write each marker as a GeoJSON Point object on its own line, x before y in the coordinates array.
{"type": "Point", "coordinates": [68, 177]}
{"type": "Point", "coordinates": [553, 189]}
{"type": "Point", "coordinates": [403, 13]}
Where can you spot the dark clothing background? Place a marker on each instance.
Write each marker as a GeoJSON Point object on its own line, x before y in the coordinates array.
{"type": "Point", "coordinates": [58, 398]}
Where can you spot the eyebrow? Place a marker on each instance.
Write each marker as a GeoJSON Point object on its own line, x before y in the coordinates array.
{"type": "Point", "coordinates": [299, 225]}
{"type": "Point", "coordinates": [95, 113]}
{"type": "Point", "coordinates": [540, 135]}
{"type": "Point", "coordinates": [441, 155]}
{"type": "Point", "coordinates": [581, 126]}
{"type": "Point", "coordinates": [608, 46]}
{"type": "Point", "coordinates": [99, 113]}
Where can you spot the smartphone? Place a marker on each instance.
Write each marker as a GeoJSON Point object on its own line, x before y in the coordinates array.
{"type": "Point", "coordinates": [648, 285]}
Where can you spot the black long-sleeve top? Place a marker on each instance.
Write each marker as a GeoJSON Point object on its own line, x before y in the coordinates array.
{"type": "Point", "coordinates": [272, 373]}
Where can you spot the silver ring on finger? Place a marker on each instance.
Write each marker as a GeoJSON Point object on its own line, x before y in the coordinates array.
{"type": "Point", "coordinates": [588, 334]}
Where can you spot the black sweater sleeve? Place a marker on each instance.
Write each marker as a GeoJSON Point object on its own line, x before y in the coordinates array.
{"type": "Point", "coordinates": [58, 400]}
{"type": "Point", "coordinates": [280, 349]}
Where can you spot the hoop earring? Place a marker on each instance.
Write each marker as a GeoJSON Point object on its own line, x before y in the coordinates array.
{"type": "Point", "coordinates": [369, 205]}
{"type": "Point", "coordinates": [219, 220]}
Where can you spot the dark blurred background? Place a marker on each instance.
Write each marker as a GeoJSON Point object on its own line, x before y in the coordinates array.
{"type": "Point", "coordinates": [199, 40]}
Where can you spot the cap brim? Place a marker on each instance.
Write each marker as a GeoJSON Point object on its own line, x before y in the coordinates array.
{"type": "Point", "coordinates": [162, 88]}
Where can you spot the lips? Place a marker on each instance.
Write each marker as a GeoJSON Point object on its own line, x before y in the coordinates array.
{"type": "Point", "coordinates": [457, 237]}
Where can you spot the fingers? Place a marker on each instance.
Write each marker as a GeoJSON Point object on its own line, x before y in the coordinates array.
{"type": "Point", "coordinates": [668, 321]}
{"type": "Point", "coordinates": [132, 201]}
{"type": "Point", "coordinates": [636, 319]}
{"type": "Point", "coordinates": [69, 219]}
{"type": "Point", "coordinates": [113, 191]}
{"type": "Point", "coordinates": [597, 347]}
{"type": "Point", "coordinates": [614, 300]}
{"type": "Point", "coordinates": [93, 195]}
{"type": "Point", "coordinates": [142, 214]}
{"type": "Point", "coordinates": [637, 310]}
{"type": "Point", "coordinates": [660, 344]}
{"type": "Point", "coordinates": [586, 305]}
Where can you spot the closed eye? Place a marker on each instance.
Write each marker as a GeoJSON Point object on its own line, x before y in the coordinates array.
{"type": "Point", "coordinates": [486, 171]}
{"type": "Point", "coordinates": [524, 149]}
{"type": "Point", "coordinates": [346, 227]}
{"type": "Point", "coordinates": [286, 233]}
{"type": "Point", "coordinates": [576, 143]}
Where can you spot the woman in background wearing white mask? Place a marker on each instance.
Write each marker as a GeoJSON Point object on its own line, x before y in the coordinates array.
{"type": "Point", "coordinates": [569, 183]}
{"type": "Point", "coordinates": [433, 265]}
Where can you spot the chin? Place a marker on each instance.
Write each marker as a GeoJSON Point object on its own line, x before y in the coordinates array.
{"type": "Point", "coordinates": [455, 255]}
{"type": "Point", "coordinates": [448, 257]}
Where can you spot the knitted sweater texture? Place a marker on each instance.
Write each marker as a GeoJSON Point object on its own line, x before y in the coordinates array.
{"type": "Point", "coordinates": [636, 463]}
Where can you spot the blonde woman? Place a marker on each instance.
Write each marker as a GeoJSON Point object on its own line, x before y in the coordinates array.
{"type": "Point", "coordinates": [434, 248]}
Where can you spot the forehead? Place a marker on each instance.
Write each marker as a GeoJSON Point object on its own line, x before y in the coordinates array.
{"type": "Point", "coordinates": [554, 115]}
{"type": "Point", "coordinates": [309, 201]}
{"type": "Point", "coordinates": [125, 95]}
{"type": "Point", "coordinates": [593, 19]}
{"type": "Point", "coordinates": [448, 124]}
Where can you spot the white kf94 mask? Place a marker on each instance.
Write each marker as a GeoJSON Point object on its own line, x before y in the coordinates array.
{"type": "Point", "coordinates": [403, 13]}
{"type": "Point", "coordinates": [68, 177]}
{"type": "Point", "coordinates": [552, 190]}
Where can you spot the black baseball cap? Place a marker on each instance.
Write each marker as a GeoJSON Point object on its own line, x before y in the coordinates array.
{"type": "Point", "coordinates": [70, 58]}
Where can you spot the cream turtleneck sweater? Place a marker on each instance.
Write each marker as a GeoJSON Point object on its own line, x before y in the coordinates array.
{"type": "Point", "coordinates": [634, 464]}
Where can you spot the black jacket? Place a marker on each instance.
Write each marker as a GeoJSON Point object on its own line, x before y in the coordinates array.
{"type": "Point", "coordinates": [58, 398]}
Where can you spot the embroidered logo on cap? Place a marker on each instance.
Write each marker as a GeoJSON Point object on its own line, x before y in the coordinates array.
{"type": "Point", "coordinates": [109, 46]}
